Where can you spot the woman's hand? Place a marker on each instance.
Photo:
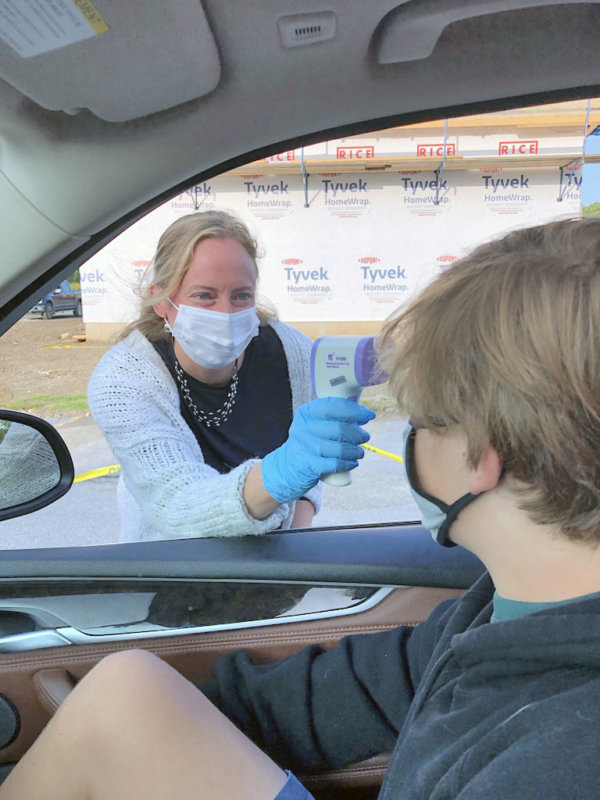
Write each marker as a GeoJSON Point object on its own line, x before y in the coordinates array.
{"type": "Point", "coordinates": [325, 436]}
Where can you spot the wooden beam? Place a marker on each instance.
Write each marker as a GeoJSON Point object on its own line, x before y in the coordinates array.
{"type": "Point", "coordinates": [395, 163]}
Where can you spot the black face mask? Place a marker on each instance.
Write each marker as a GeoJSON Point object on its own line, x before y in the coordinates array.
{"type": "Point", "coordinates": [437, 515]}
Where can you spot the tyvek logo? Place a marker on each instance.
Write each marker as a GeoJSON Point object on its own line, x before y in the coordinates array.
{"type": "Point", "coordinates": [507, 195]}
{"type": "Point", "coordinates": [382, 284]}
{"type": "Point", "coordinates": [303, 275]}
{"type": "Point", "coordinates": [415, 187]}
{"type": "Point", "coordinates": [374, 275]}
{"type": "Point", "coordinates": [521, 182]}
{"type": "Point", "coordinates": [344, 187]}
{"type": "Point", "coordinates": [268, 198]}
{"type": "Point", "coordinates": [306, 283]}
{"type": "Point", "coordinates": [140, 265]}
{"type": "Point", "coordinates": [420, 193]}
{"type": "Point", "coordinates": [345, 195]}
{"type": "Point", "coordinates": [201, 188]}
{"type": "Point", "coordinates": [258, 189]}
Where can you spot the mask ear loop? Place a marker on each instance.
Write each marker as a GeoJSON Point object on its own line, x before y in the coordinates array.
{"type": "Point", "coordinates": [451, 511]}
{"type": "Point", "coordinates": [451, 514]}
{"type": "Point", "coordinates": [166, 325]}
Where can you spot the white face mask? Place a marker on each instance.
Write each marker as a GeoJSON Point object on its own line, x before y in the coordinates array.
{"type": "Point", "coordinates": [213, 339]}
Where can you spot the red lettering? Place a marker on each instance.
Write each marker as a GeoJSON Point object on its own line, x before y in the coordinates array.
{"type": "Point", "coordinates": [527, 147]}
{"type": "Point", "coordinates": [358, 151]}
{"type": "Point", "coordinates": [436, 149]}
{"type": "Point", "coordinates": [289, 155]}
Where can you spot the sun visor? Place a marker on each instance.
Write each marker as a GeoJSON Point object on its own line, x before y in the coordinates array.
{"type": "Point", "coordinates": [120, 60]}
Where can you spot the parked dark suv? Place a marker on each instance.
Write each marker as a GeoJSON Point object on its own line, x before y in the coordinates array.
{"type": "Point", "coordinates": [63, 298]}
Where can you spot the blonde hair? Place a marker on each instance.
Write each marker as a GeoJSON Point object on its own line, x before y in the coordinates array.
{"type": "Point", "coordinates": [172, 259]}
{"type": "Point", "coordinates": [506, 343]}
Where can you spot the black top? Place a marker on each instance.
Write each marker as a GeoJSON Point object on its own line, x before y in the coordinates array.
{"type": "Point", "coordinates": [262, 412]}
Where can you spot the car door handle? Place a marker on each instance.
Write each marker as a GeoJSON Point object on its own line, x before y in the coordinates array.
{"type": "Point", "coordinates": [410, 31]}
{"type": "Point", "coordinates": [32, 640]}
{"type": "Point", "coordinates": [52, 686]}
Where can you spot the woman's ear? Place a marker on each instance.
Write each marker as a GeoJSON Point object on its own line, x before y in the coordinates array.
{"type": "Point", "coordinates": [487, 472]}
{"type": "Point", "coordinates": [162, 306]}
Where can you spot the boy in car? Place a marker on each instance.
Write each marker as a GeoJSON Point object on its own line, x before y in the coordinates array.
{"type": "Point", "coordinates": [497, 365]}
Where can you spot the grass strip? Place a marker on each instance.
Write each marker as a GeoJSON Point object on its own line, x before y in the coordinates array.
{"type": "Point", "coordinates": [50, 405]}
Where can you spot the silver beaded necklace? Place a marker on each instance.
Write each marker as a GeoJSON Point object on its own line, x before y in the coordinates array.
{"type": "Point", "coordinates": [212, 419]}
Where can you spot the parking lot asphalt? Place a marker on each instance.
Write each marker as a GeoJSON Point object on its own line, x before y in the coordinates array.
{"type": "Point", "coordinates": [88, 513]}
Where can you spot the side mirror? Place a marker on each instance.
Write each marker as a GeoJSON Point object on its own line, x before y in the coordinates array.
{"type": "Point", "coordinates": [36, 467]}
{"type": "Point", "coordinates": [57, 291]}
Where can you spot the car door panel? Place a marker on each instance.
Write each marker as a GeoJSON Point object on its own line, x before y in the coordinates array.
{"type": "Point", "coordinates": [36, 681]}
{"type": "Point", "coordinates": [85, 612]}
{"type": "Point", "coordinates": [269, 595]}
{"type": "Point", "coordinates": [380, 555]}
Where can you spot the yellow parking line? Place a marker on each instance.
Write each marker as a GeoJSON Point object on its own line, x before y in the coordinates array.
{"type": "Point", "coordinates": [80, 346]}
{"type": "Point", "coordinates": [114, 469]}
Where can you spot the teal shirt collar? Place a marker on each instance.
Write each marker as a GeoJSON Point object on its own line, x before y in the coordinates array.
{"type": "Point", "coordinates": [505, 609]}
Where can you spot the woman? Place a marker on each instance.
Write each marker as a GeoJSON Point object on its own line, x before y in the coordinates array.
{"type": "Point", "coordinates": [202, 386]}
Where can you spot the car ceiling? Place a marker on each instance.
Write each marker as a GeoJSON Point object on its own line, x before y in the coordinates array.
{"type": "Point", "coordinates": [188, 90]}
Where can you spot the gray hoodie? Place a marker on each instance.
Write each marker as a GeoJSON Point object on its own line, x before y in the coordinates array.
{"type": "Point", "coordinates": [472, 710]}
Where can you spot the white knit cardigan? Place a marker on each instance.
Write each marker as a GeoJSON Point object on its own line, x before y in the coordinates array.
{"type": "Point", "coordinates": [166, 490]}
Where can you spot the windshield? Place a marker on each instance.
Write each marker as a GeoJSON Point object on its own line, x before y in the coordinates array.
{"type": "Point", "coordinates": [348, 230]}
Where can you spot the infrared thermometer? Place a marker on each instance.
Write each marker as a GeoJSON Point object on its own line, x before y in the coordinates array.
{"type": "Point", "coordinates": [341, 366]}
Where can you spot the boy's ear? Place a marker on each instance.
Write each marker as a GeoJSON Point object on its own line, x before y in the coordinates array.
{"type": "Point", "coordinates": [487, 472]}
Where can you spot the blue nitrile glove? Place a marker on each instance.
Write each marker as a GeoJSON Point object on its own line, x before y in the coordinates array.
{"type": "Point", "coordinates": [324, 437]}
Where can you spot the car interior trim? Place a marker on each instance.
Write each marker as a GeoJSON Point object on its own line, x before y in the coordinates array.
{"type": "Point", "coordinates": [64, 636]}
{"type": "Point", "coordinates": [411, 30]}
{"type": "Point", "coordinates": [372, 555]}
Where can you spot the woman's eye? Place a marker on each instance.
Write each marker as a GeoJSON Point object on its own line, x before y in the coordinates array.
{"type": "Point", "coordinates": [245, 297]}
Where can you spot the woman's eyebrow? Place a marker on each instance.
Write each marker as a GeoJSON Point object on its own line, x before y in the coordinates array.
{"type": "Point", "coordinates": [195, 286]}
